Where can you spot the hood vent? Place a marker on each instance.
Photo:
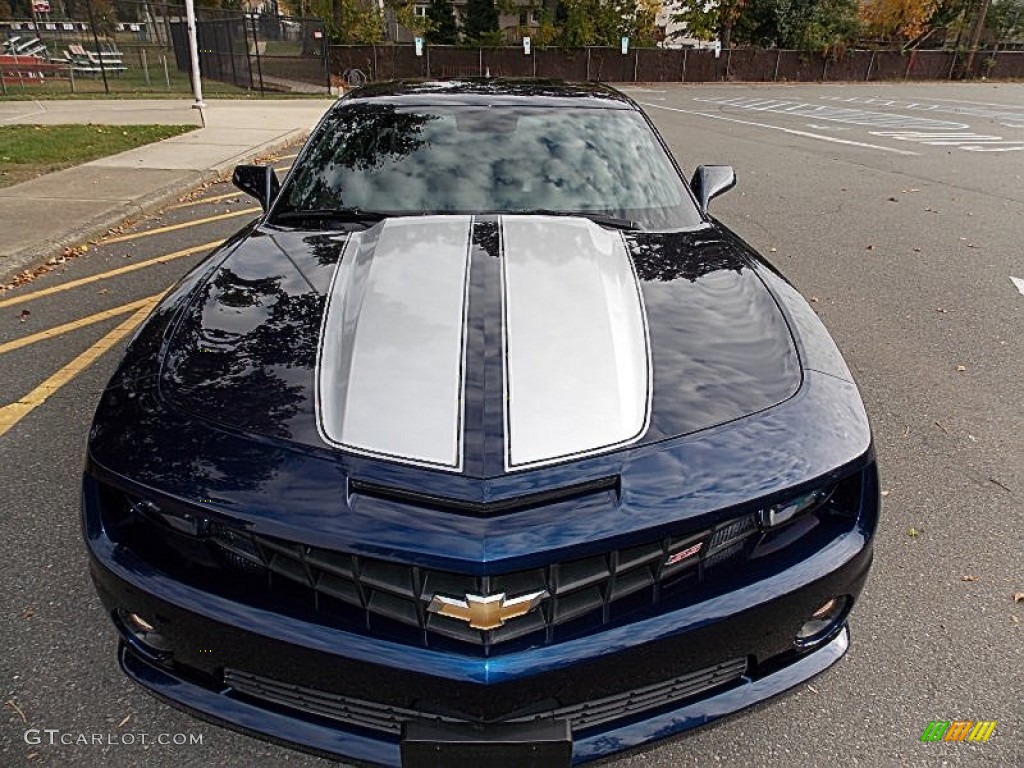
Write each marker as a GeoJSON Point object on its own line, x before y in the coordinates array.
{"type": "Point", "coordinates": [486, 508]}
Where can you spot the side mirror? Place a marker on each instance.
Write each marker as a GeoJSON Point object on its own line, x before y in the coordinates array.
{"type": "Point", "coordinates": [709, 181]}
{"type": "Point", "coordinates": [260, 181]}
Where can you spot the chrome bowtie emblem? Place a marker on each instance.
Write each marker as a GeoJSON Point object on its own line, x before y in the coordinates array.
{"type": "Point", "coordinates": [486, 611]}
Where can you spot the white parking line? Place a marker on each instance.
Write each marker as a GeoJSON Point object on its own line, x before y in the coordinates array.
{"type": "Point", "coordinates": [1009, 119]}
{"type": "Point", "coordinates": [971, 142]}
{"type": "Point", "coordinates": [837, 114]}
{"type": "Point", "coordinates": [805, 134]}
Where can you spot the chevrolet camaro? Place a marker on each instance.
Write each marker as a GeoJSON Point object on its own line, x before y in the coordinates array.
{"type": "Point", "coordinates": [484, 444]}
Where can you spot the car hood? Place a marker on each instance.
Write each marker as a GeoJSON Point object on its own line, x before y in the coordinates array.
{"type": "Point", "coordinates": [479, 346]}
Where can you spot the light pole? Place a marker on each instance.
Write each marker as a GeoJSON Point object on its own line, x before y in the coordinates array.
{"type": "Point", "coordinates": [193, 49]}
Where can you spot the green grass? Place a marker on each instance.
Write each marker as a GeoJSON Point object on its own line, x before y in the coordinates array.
{"type": "Point", "coordinates": [27, 151]}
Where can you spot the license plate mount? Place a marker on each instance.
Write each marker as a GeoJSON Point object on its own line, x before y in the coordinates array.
{"type": "Point", "coordinates": [544, 744]}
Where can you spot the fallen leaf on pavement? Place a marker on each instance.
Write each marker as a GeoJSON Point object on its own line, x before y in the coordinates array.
{"type": "Point", "coordinates": [1018, 597]}
{"type": "Point", "coordinates": [961, 368]}
{"type": "Point", "coordinates": [12, 705]}
{"type": "Point", "coordinates": [886, 493]}
{"type": "Point", "coordinates": [126, 719]}
{"type": "Point", "coordinates": [23, 316]}
{"type": "Point", "coordinates": [913, 533]}
{"type": "Point", "coordinates": [968, 577]}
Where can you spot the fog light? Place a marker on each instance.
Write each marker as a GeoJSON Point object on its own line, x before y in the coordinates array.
{"type": "Point", "coordinates": [143, 636]}
{"type": "Point", "coordinates": [822, 621]}
{"type": "Point", "coordinates": [139, 624]}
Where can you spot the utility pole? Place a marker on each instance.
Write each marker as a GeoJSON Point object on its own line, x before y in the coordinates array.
{"type": "Point", "coordinates": [976, 31]}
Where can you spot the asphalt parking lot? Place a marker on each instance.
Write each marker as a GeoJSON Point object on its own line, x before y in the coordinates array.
{"type": "Point", "coordinates": [897, 210]}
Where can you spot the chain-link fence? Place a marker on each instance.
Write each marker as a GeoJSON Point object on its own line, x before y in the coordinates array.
{"type": "Point", "coordinates": [141, 47]}
{"type": "Point", "coordinates": [384, 62]}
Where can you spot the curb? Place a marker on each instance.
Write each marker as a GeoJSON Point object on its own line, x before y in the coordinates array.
{"type": "Point", "coordinates": [37, 254]}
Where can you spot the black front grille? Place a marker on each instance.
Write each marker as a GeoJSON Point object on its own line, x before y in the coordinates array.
{"type": "Point", "coordinates": [594, 590]}
{"type": "Point", "coordinates": [390, 719]}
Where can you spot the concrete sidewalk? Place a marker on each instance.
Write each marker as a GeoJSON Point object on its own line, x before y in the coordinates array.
{"type": "Point", "coordinates": [41, 217]}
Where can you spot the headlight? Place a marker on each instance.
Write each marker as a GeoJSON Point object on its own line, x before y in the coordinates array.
{"type": "Point", "coordinates": [780, 514]}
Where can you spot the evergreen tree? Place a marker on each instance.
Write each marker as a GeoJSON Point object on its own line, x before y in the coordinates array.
{"type": "Point", "coordinates": [481, 20]}
{"type": "Point", "coordinates": [444, 30]}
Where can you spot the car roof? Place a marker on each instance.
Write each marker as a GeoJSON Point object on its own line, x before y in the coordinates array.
{"type": "Point", "coordinates": [491, 92]}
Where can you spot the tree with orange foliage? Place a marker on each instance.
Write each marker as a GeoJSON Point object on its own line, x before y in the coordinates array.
{"type": "Point", "coordinates": [889, 20]}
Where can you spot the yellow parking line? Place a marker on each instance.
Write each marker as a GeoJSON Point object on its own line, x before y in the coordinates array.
{"type": "Point", "coordinates": [110, 273]}
{"type": "Point", "coordinates": [173, 227]}
{"type": "Point", "coordinates": [13, 413]}
{"type": "Point", "coordinates": [74, 325]}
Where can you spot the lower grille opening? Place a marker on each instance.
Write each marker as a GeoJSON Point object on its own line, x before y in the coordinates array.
{"type": "Point", "coordinates": [386, 718]}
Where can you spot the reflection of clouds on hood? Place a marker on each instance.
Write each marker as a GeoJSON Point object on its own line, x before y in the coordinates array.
{"type": "Point", "coordinates": [564, 159]}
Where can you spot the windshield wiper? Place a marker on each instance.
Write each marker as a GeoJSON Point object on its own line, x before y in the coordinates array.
{"type": "Point", "coordinates": [357, 215]}
{"type": "Point", "coordinates": [598, 218]}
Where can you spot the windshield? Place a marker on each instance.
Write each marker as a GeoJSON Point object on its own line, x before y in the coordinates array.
{"type": "Point", "coordinates": [501, 159]}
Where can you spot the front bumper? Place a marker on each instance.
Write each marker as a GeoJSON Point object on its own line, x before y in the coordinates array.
{"type": "Point", "coordinates": [209, 635]}
{"type": "Point", "coordinates": [215, 706]}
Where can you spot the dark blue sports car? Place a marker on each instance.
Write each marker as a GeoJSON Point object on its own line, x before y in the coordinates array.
{"type": "Point", "coordinates": [485, 442]}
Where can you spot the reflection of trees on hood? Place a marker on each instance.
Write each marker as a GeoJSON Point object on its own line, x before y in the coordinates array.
{"type": "Point", "coordinates": [238, 373]}
{"type": "Point", "coordinates": [688, 255]}
{"type": "Point", "coordinates": [361, 137]}
{"type": "Point", "coordinates": [326, 249]}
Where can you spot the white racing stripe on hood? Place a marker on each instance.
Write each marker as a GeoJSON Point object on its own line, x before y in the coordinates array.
{"type": "Point", "coordinates": [577, 355]}
{"type": "Point", "coordinates": [392, 348]}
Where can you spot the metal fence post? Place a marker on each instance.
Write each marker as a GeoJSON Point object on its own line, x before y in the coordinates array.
{"type": "Point", "coordinates": [256, 47]}
{"type": "Point", "coordinates": [952, 65]}
{"type": "Point", "coordinates": [682, 74]}
{"type": "Point", "coordinates": [636, 64]}
{"type": "Point", "coordinates": [778, 60]}
{"type": "Point", "coordinates": [871, 61]}
{"type": "Point", "coordinates": [327, 60]}
{"type": "Point", "coordinates": [229, 29]}
{"type": "Point", "coordinates": [145, 66]}
{"type": "Point", "coordinates": [96, 41]}
{"type": "Point", "coordinates": [588, 62]}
